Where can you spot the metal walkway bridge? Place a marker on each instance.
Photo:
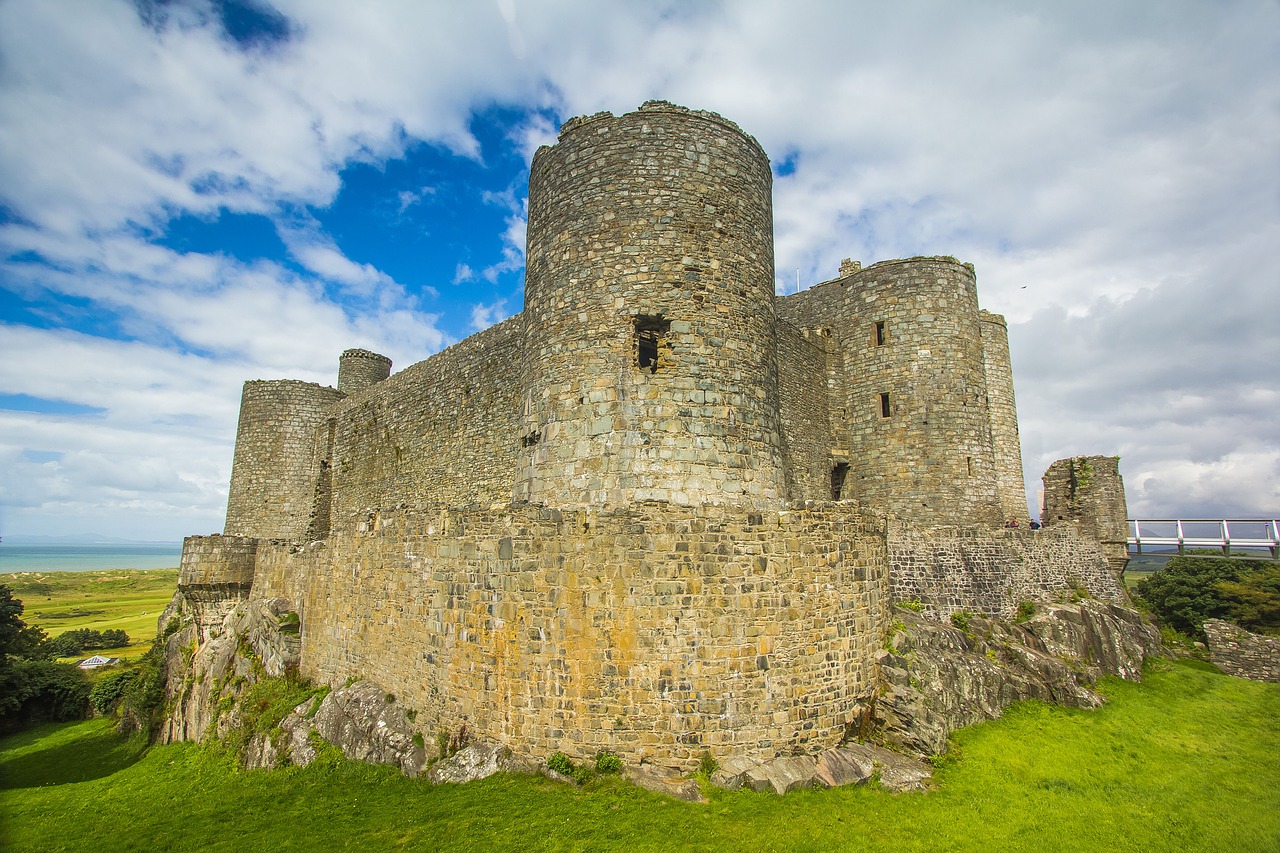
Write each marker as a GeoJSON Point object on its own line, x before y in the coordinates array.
{"type": "Point", "coordinates": [1257, 537]}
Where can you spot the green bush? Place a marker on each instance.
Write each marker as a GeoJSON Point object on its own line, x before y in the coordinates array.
{"type": "Point", "coordinates": [607, 762]}
{"type": "Point", "coordinates": [561, 764]}
{"type": "Point", "coordinates": [106, 694]}
{"type": "Point", "coordinates": [960, 619]}
{"type": "Point", "coordinates": [1026, 609]}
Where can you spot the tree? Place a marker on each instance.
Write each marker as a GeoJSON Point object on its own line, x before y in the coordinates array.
{"type": "Point", "coordinates": [1188, 590]}
{"type": "Point", "coordinates": [32, 689]}
{"type": "Point", "coordinates": [1254, 599]}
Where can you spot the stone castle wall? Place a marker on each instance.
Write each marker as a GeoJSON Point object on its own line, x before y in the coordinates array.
{"type": "Point", "coordinates": [654, 633]}
{"type": "Point", "coordinates": [988, 572]}
{"type": "Point", "coordinates": [650, 363]}
{"type": "Point", "coordinates": [440, 432]}
{"type": "Point", "coordinates": [216, 573]}
{"type": "Point", "coordinates": [273, 472]}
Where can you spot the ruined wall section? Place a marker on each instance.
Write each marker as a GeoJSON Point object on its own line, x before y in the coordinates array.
{"type": "Point", "coordinates": [989, 572]}
{"type": "Point", "coordinates": [650, 361]}
{"type": "Point", "coordinates": [274, 472]}
{"type": "Point", "coordinates": [805, 411]}
{"type": "Point", "coordinates": [1003, 411]}
{"type": "Point", "coordinates": [439, 432]}
{"type": "Point", "coordinates": [654, 633]}
{"type": "Point", "coordinates": [1087, 493]}
{"type": "Point", "coordinates": [914, 387]}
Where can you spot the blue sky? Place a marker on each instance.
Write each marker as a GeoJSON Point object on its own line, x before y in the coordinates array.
{"type": "Point", "coordinates": [193, 194]}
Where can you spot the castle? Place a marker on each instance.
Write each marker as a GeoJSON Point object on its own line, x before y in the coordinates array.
{"type": "Point", "coordinates": [663, 509]}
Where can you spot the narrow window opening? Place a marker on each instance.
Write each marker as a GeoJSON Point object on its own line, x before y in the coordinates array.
{"type": "Point", "coordinates": [884, 404]}
{"type": "Point", "coordinates": [881, 334]}
{"type": "Point", "coordinates": [650, 338]}
{"type": "Point", "coordinates": [838, 475]}
{"type": "Point", "coordinates": [968, 464]}
{"type": "Point", "coordinates": [530, 439]}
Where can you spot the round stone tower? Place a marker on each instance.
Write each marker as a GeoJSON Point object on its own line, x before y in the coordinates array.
{"type": "Point", "coordinates": [918, 406]}
{"type": "Point", "coordinates": [276, 466]}
{"type": "Point", "coordinates": [650, 356]}
{"type": "Point", "coordinates": [1006, 445]}
{"type": "Point", "coordinates": [359, 368]}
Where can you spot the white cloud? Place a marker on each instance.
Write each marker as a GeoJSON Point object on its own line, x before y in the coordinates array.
{"type": "Point", "coordinates": [483, 316]}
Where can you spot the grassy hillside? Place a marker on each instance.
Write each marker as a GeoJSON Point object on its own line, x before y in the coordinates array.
{"type": "Point", "coordinates": [1185, 761]}
{"type": "Point", "coordinates": [128, 599]}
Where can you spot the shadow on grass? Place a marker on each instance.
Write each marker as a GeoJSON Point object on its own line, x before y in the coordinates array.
{"type": "Point", "coordinates": [87, 754]}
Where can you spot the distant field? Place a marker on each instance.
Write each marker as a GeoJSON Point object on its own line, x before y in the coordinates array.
{"type": "Point", "coordinates": [128, 599]}
{"type": "Point", "coordinates": [1184, 762]}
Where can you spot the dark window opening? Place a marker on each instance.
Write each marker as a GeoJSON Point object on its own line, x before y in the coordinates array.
{"type": "Point", "coordinates": [881, 334]}
{"type": "Point", "coordinates": [838, 474]}
{"type": "Point", "coordinates": [884, 404]}
{"type": "Point", "coordinates": [650, 337]}
{"type": "Point", "coordinates": [968, 464]}
{"type": "Point", "coordinates": [530, 439]}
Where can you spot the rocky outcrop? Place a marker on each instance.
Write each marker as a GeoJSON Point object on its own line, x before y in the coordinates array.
{"type": "Point", "coordinates": [938, 678]}
{"type": "Point", "coordinates": [851, 764]}
{"type": "Point", "coordinates": [361, 720]}
{"type": "Point", "coordinates": [1241, 653]}
{"type": "Point", "coordinates": [259, 637]}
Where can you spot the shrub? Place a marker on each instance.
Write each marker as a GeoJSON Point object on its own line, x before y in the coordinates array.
{"type": "Point", "coordinates": [560, 763]}
{"type": "Point", "coordinates": [707, 763]}
{"type": "Point", "coordinates": [960, 619]}
{"type": "Point", "coordinates": [914, 605]}
{"type": "Point", "coordinates": [607, 762]}
{"type": "Point", "coordinates": [1026, 609]}
{"type": "Point", "coordinates": [109, 690]}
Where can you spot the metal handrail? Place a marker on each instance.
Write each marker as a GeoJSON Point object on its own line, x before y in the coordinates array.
{"type": "Point", "coordinates": [1269, 540]}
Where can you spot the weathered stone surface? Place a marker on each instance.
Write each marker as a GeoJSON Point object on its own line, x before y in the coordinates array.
{"type": "Point", "coordinates": [940, 678]}
{"type": "Point", "coordinates": [850, 764]}
{"type": "Point", "coordinates": [368, 725]}
{"type": "Point", "coordinates": [477, 761]}
{"type": "Point", "coordinates": [781, 775]}
{"type": "Point", "coordinates": [664, 781]}
{"type": "Point", "coordinates": [1238, 652]}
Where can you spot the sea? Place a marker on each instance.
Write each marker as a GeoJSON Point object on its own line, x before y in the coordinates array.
{"type": "Point", "coordinates": [87, 558]}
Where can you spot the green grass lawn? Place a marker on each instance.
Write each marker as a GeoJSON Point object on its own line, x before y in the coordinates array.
{"type": "Point", "coordinates": [1186, 761]}
{"type": "Point", "coordinates": [128, 599]}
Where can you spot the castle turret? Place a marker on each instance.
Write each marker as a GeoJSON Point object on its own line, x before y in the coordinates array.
{"type": "Point", "coordinates": [359, 368]}
{"type": "Point", "coordinates": [276, 468]}
{"type": "Point", "coordinates": [650, 357]}
{"type": "Point", "coordinates": [1003, 411]}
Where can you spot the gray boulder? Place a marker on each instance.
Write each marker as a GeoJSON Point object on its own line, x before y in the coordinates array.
{"type": "Point", "coordinates": [477, 761]}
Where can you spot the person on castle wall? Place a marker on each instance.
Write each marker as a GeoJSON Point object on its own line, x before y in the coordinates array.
{"type": "Point", "coordinates": [1011, 524]}
{"type": "Point", "coordinates": [1035, 525]}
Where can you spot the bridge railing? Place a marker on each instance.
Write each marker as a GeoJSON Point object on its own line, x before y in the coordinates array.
{"type": "Point", "coordinates": [1248, 535]}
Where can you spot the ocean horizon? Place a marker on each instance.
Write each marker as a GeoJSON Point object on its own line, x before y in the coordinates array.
{"type": "Point", "coordinates": [86, 558]}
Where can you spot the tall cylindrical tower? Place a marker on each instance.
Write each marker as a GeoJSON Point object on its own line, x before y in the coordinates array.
{"type": "Point", "coordinates": [359, 368]}
{"type": "Point", "coordinates": [1003, 412]}
{"type": "Point", "coordinates": [650, 356]}
{"type": "Point", "coordinates": [277, 461]}
{"type": "Point", "coordinates": [922, 447]}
